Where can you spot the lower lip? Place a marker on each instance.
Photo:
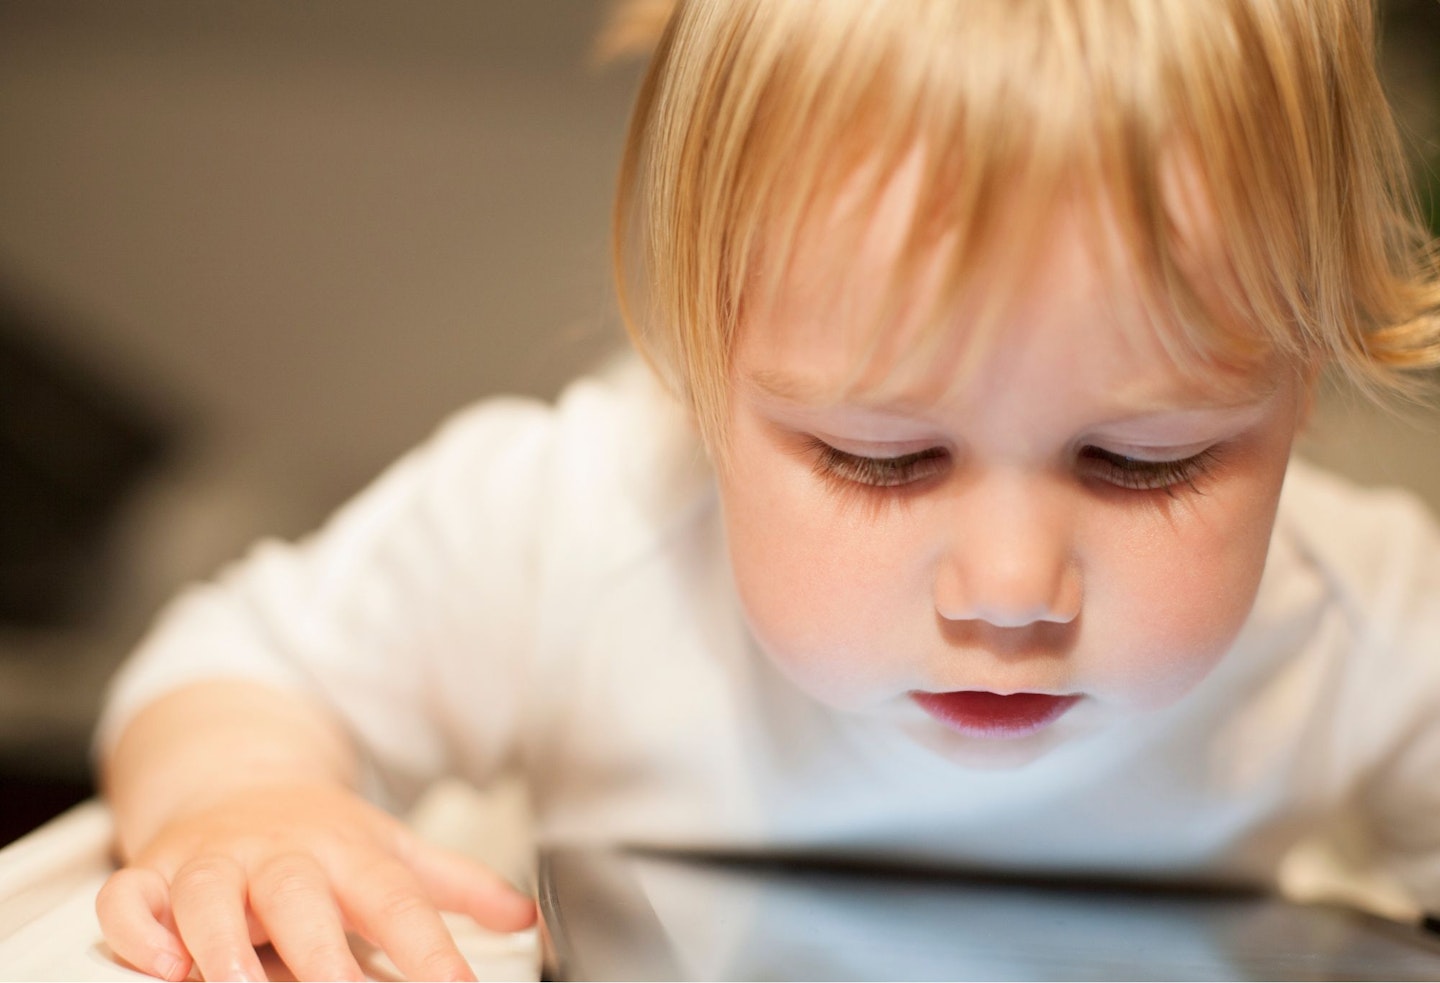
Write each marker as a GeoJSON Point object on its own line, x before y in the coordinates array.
{"type": "Point", "coordinates": [976, 713]}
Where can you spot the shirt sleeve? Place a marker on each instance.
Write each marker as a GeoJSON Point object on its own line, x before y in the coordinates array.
{"type": "Point", "coordinates": [425, 572]}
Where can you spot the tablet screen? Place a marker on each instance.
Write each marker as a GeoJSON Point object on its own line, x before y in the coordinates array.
{"type": "Point", "coordinates": [648, 915]}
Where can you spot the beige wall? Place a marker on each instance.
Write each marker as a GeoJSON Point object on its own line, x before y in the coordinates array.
{"type": "Point", "coordinates": [312, 227]}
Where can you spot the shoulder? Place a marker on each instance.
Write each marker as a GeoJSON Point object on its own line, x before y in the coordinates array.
{"type": "Point", "coordinates": [626, 468]}
{"type": "Point", "coordinates": [614, 455]}
{"type": "Point", "coordinates": [1375, 553]}
{"type": "Point", "coordinates": [1378, 549]}
{"type": "Point", "coordinates": [1351, 513]}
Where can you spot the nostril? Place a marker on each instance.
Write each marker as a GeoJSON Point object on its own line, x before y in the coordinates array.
{"type": "Point", "coordinates": [1036, 640]}
{"type": "Point", "coordinates": [1011, 605]}
{"type": "Point", "coordinates": [1010, 601]}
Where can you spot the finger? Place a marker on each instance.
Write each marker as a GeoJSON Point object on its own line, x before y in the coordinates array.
{"type": "Point", "coordinates": [388, 905]}
{"type": "Point", "coordinates": [456, 882]}
{"type": "Point", "coordinates": [208, 899]}
{"type": "Point", "coordinates": [134, 911]}
{"type": "Point", "coordinates": [292, 898]}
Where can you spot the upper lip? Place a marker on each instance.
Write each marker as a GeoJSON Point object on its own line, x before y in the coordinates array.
{"type": "Point", "coordinates": [1005, 691]}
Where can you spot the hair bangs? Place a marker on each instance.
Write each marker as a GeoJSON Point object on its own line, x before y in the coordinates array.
{"type": "Point", "coordinates": [1005, 115]}
{"type": "Point", "coordinates": [1233, 163]}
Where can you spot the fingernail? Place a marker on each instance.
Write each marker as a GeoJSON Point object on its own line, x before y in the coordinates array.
{"type": "Point", "coordinates": [169, 967]}
{"type": "Point", "coordinates": [242, 974]}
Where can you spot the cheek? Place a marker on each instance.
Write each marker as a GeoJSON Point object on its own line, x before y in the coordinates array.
{"type": "Point", "coordinates": [1184, 590]}
{"type": "Point", "coordinates": [820, 590]}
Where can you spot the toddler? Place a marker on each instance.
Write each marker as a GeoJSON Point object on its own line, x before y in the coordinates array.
{"type": "Point", "coordinates": [950, 517]}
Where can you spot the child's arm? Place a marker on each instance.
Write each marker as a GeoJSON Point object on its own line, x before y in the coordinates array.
{"type": "Point", "coordinates": [237, 823]}
{"type": "Point", "coordinates": [401, 635]}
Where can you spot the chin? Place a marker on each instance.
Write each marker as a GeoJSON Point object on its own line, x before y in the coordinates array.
{"type": "Point", "coordinates": [992, 754]}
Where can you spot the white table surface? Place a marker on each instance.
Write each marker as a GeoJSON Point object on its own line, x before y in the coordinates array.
{"type": "Point", "coordinates": [49, 879]}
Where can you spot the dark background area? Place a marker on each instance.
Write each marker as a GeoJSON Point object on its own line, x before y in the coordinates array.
{"type": "Point", "coordinates": [251, 250]}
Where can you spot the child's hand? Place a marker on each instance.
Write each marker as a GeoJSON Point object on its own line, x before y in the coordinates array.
{"type": "Point", "coordinates": [297, 865]}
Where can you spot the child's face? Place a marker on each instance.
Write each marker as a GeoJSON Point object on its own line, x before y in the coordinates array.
{"type": "Point", "coordinates": [1081, 520]}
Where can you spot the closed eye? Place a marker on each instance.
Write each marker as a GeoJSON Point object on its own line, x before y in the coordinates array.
{"type": "Point", "coordinates": [878, 472]}
{"type": "Point", "coordinates": [1113, 468]}
{"type": "Point", "coordinates": [1139, 474]}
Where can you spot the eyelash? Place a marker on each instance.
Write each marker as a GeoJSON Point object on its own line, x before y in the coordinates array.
{"type": "Point", "coordinates": [1136, 474]}
{"type": "Point", "coordinates": [1122, 471]}
{"type": "Point", "coordinates": [878, 472]}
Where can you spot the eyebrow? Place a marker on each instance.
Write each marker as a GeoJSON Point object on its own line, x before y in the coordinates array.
{"type": "Point", "coordinates": [787, 387]}
{"type": "Point", "coordinates": [795, 389]}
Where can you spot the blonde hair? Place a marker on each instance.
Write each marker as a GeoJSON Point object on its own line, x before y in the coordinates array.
{"type": "Point", "coordinates": [754, 114]}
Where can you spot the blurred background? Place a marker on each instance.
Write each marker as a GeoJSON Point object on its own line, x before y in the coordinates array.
{"type": "Point", "coordinates": [251, 250]}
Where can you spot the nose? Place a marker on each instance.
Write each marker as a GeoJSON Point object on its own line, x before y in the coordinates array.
{"type": "Point", "coordinates": [1009, 558]}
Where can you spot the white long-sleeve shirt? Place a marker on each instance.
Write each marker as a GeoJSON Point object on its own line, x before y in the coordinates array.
{"type": "Point", "coordinates": [548, 588]}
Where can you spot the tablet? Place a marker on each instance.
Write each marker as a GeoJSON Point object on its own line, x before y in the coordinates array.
{"type": "Point", "coordinates": [643, 915]}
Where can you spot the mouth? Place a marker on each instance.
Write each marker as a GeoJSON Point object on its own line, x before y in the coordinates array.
{"type": "Point", "coordinates": [996, 716]}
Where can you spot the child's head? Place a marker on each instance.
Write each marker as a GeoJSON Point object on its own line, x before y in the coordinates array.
{"type": "Point", "coordinates": [758, 115]}
{"type": "Point", "coordinates": [999, 317]}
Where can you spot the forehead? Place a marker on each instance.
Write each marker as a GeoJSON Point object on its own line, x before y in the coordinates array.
{"type": "Point", "coordinates": [867, 308]}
